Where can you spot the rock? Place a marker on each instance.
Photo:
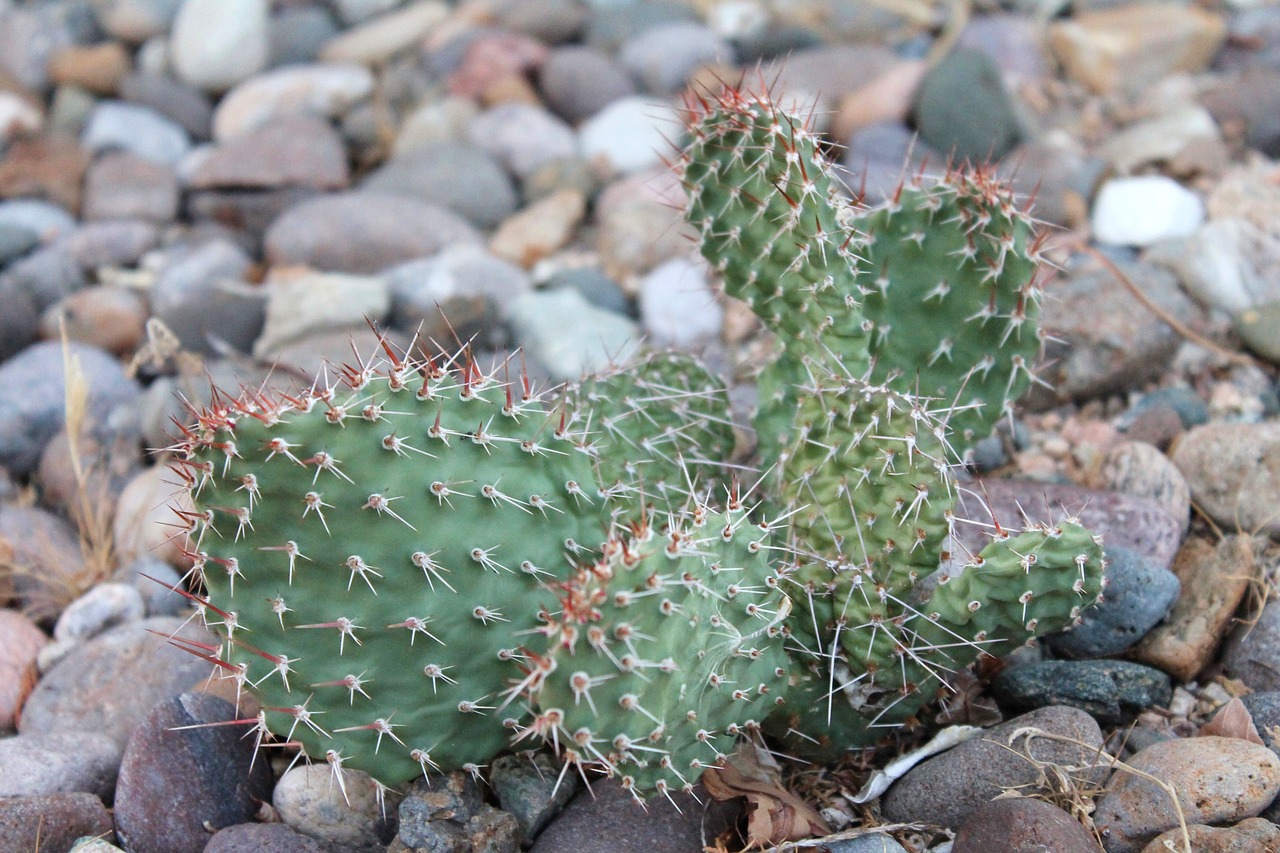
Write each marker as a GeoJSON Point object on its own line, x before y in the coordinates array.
{"type": "Point", "coordinates": [29, 35]}
{"type": "Point", "coordinates": [1214, 582]}
{"type": "Point", "coordinates": [355, 11]}
{"type": "Point", "coordinates": [110, 318]}
{"type": "Point", "coordinates": [812, 80]}
{"type": "Point", "coordinates": [48, 564]}
{"type": "Point", "coordinates": [46, 220]}
{"type": "Point", "coordinates": [1249, 192]}
{"type": "Point", "coordinates": [122, 185]}
{"type": "Point", "coordinates": [363, 232]}
{"type": "Point", "coordinates": [1136, 45]}
{"type": "Point", "coordinates": [32, 395]}
{"type": "Point", "coordinates": [523, 137]}
{"type": "Point", "coordinates": [1253, 835]}
{"type": "Point", "coordinates": [596, 287]}
{"type": "Point", "coordinates": [106, 606]}
{"type": "Point", "coordinates": [678, 306]}
{"type": "Point", "coordinates": [454, 176]}
{"type": "Point", "coordinates": [883, 101]}
{"type": "Point", "coordinates": [1233, 472]}
{"type": "Point", "coordinates": [872, 842]}
{"type": "Point", "coordinates": [628, 136]}
{"type": "Point", "coordinates": [16, 241]}
{"type": "Point", "coordinates": [51, 823]}
{"type": "Point", "coordinates": [18, 116]}
{"type": "Point", "coordinates": [180, 103]}
{"type": "Point", "coordinates": [948, 788]}
{"type": "Point", "coordinates": [450, 816]}
{"type": "Point", "coordinates": [1250, 653]}
{"type": "Point", "coordinates": [59, 763]}
{"type": "Point", "coordinates": [46, 167]}
{"type": "Point", "coordinates": [1217, 779]}
{"type": "Point", "coordinates": [138, 129]}
{"type": "Point", "coordinates": [1113, 692]}
{"type": "Point", "coordinates": [1257, 329]}
{"type": "Point", "coordinates": [47, 275]}
{"type": "Point", "coordinates": [98, 68]}
{"type": "Point", "coordinates": [144, 513]}
{"type": "Point", "coordinates": [1060, 174]}
{"type": "Point", "coordinates": [1012, 40]}
{"type": "Point", "coordinates": [962, 108]}
{"type": "Point", "coordinates": [263, 838]}
{"type": "Point", "coordinates": [216, 44]}
{"type": "Point", "coordinates": [879, 156]}
{"type": "Point", "coordinates": [443, 120]}
{"type": "Point", "coordinates": [529, 788]}
{"type": "Point", "coordinates": [661, 58]}
{"type": "Point", "coordinates": [120, 243]}
{"type": "Point", "coordinates": [1137, 468]}
{"type": "Point", "coordinates": [568, 336]}
{"type": "Point", "coordinates": [463, 290]}
{"type": "Point", "coordinates": [549, 21]}
{"type": "Point", "coordinates": [200, 294]}
{"type": "Point", "coordinates": [1143, 210]}
{"type": "Point", "coordinates": [297, 33]}
{"type": "Point", "coordinates": [323, 91]}
{"type": "Point", "coordinates": [539, 230]}
{"type": "Point", "coordinates": [607, 818]}
{"type": "Point", "coordinates": [1138, 596]}
{"type": "Point", "coordinates": [493, 66]}
{"type": "Point", "coordinates": [303, 302]}
{"type": "Point", "coordinates": [578, 82]}
{"type": "Point", "coordinates": [108, 684]}
{"type": "Point", "coordinates": [89, 844]}
{"type": "Point", "coordinates": [352, 813]}
{"type": "Point", "coordinates": [1160, 139]}
{"type": "Point", "coordinates": [204, 772]}
{"type": "Point", "coordinates": [1108, 342]}
{"type": "Point", "coordinates": [135, 20]}
{"type": "Point", "coordinates": [382, 38]}
{"type": "Point", "coordinates": [612, 24]}
{"type": "Point", "coordinates": [1139, 525]}
{"type": "Point", "coordinates": [1022, 825]}
{"type": "Point", "coordinates": [1245, 105]}
{"type": "Point", "coordinates": [639, 224]}
{"type": "Point", "coordinates": [294, 151]}
{"type": "Point", "coordinates": [20, 643]}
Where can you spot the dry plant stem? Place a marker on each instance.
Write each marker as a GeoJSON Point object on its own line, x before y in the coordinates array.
{"type": "Point", "coordinates": [1115, 764]}
{"type": "Point", "coordinates": [1164, 316]}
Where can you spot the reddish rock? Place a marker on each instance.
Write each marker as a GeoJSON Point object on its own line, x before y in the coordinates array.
{"type": "Point", "coordinates": [1254, 835]}
{"type": "Point", "coordinates": [1022, 825]}
{"type": "Point", "coordinates": [491, 58]}
{"type": "Point", "coordinates": [20, 643]}
{"type": "Point", "coordinates": [179, 756]}
{"type": "Point", "coordinates": [48, 167]}
{"type": "Point", "coordinates": [111, 318]}
{"type": "Point", "coordinates": [298, 151]}
{"type": "Point", "coordinates": [51, 823]}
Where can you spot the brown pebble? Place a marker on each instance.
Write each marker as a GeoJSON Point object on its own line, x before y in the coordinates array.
{"type": "Point", "coordinates": [1022, 825]}
{"type": "Point", "coordinates": [98, 68]}
{"type": "Point", "coordinates": [1254, 835]}
{"type": "Point", "coordinates": [20, 643]}
{"type": "Point", "coordinates": [111, 318]}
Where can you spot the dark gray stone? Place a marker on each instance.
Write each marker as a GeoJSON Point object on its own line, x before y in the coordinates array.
{"type": "Point", "coordinates": [531, 787]}
{"type": "Point", "coordinates": [460, 178]}
{"type": "Point", "coordinates": [16, 241]}
{"type": "Point", "coordinates": [48, 274]}
{"type": "Point", "coordinates": [596, 286]}
{"type": "Point", "coordinates": [201, 295]}
{"type": "Point", "coordinates": [963, 109]}
{"type": "Point", "coordinates": [1139, 594]}
{"type": "Point", "coordinates": [1252, 652]}
{"type": "Point", "coordinates": [172, 98]}
{"type": "Point", "coordinates": [577, 82]}
{"type": "Point", "coordinates": [1113, 692]}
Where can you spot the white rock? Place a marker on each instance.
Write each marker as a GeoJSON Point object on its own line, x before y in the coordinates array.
{"type": "Point", "coordinates": [104, 606]}
{"type": "Point", "coordinates": [216, 44]}
{"type": "Point", "coordinates": [569, 336]}
{"type": "Point", "coordinates": [1143, 210]}
{"type": "Point", "coordinates": [17, 117]}
{"type": "Point", "coordinates": [322, 90]}
{"type": "Point", "coordinates": [1229, 264]}
{"type": "Point", "coordinates": [677, 304]}
{"type": "Point", "coordinates": [630, 134]}
{"type": "Point", "coordinates": [304, 302]}
{"type": "Point", "coordinates": [133, 127]}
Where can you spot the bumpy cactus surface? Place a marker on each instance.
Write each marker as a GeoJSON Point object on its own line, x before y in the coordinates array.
{"type": "Point", "coordinates": [373, 551]}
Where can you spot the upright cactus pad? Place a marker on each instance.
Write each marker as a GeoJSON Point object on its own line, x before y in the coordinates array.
{"type": "Point", "coordinates": [373, 553]}
{"type": "Point", "coordinates": [665, 651]}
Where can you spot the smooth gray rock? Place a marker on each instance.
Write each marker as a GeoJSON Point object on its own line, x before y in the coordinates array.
{"type": "Point", "coordinates": [1114, 692]}
{"type": "Point", "coordinates": [59, 763]}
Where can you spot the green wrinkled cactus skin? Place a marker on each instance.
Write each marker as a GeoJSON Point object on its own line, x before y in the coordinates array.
{"type": "Point", "coordinates": [372, 553]}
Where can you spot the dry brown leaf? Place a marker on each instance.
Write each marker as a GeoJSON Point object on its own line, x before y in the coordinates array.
{"type": "Point", "coordinates": [775, 815]}
{"type": "Point", "coordinates": [1233, 720]}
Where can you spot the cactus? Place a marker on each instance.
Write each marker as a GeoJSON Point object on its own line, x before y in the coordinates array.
{"type": "Point", "coordinates": [373, 551]}
{"type": "Point", "coordinates": [665, 650]}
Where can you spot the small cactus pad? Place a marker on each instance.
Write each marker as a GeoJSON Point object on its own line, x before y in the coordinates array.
{"type": "Point", "coordinates": [659, 425]}
{"type": "Point", "coordinates": [664, 652]}
{"type": "Point", "coordinates": [372, 552]}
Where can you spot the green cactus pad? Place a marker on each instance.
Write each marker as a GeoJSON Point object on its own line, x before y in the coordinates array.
{"type": "Point", "coordinates": [659, 425]}
{"type": "Point", "coordinates": [664, 652]}
{"type": "Point", "coordinates": [373, 551]}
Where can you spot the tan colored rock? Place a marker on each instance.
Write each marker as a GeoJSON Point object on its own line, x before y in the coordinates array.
{"type": "Point", "coordinates": [1254, 835]}
{"type": "Point", "coordinates": [540, 229]}
{"type": "Point", "coordinates": [1233, 471]}
{"type": "Point", "coordinates": [144, 522]}
{"type": "Point", "coordinates": [98, 68]}
{"type": "Point", "coordinates": [20, 643]}
{"type": "Point", "coordinates": [113, 318]}
{"type": "Point", "coordinates": [887, 97]}
{"type": "Point", "coordinates": [1214, 582]}
{"type": "Point", "coordinates": [1216, 779]}
{"type": "Point", "coordinates": [1134, 46]}
{"type": "Point", "coordinates": [385, 36]}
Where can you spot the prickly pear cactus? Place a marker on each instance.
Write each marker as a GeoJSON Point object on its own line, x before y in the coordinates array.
{"type": "Point", "coordinates": [659, 426]}
{"type": "Point", "coordinates": [665, 651]}
{"type": "Point", "coordinates": [373, 554]}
